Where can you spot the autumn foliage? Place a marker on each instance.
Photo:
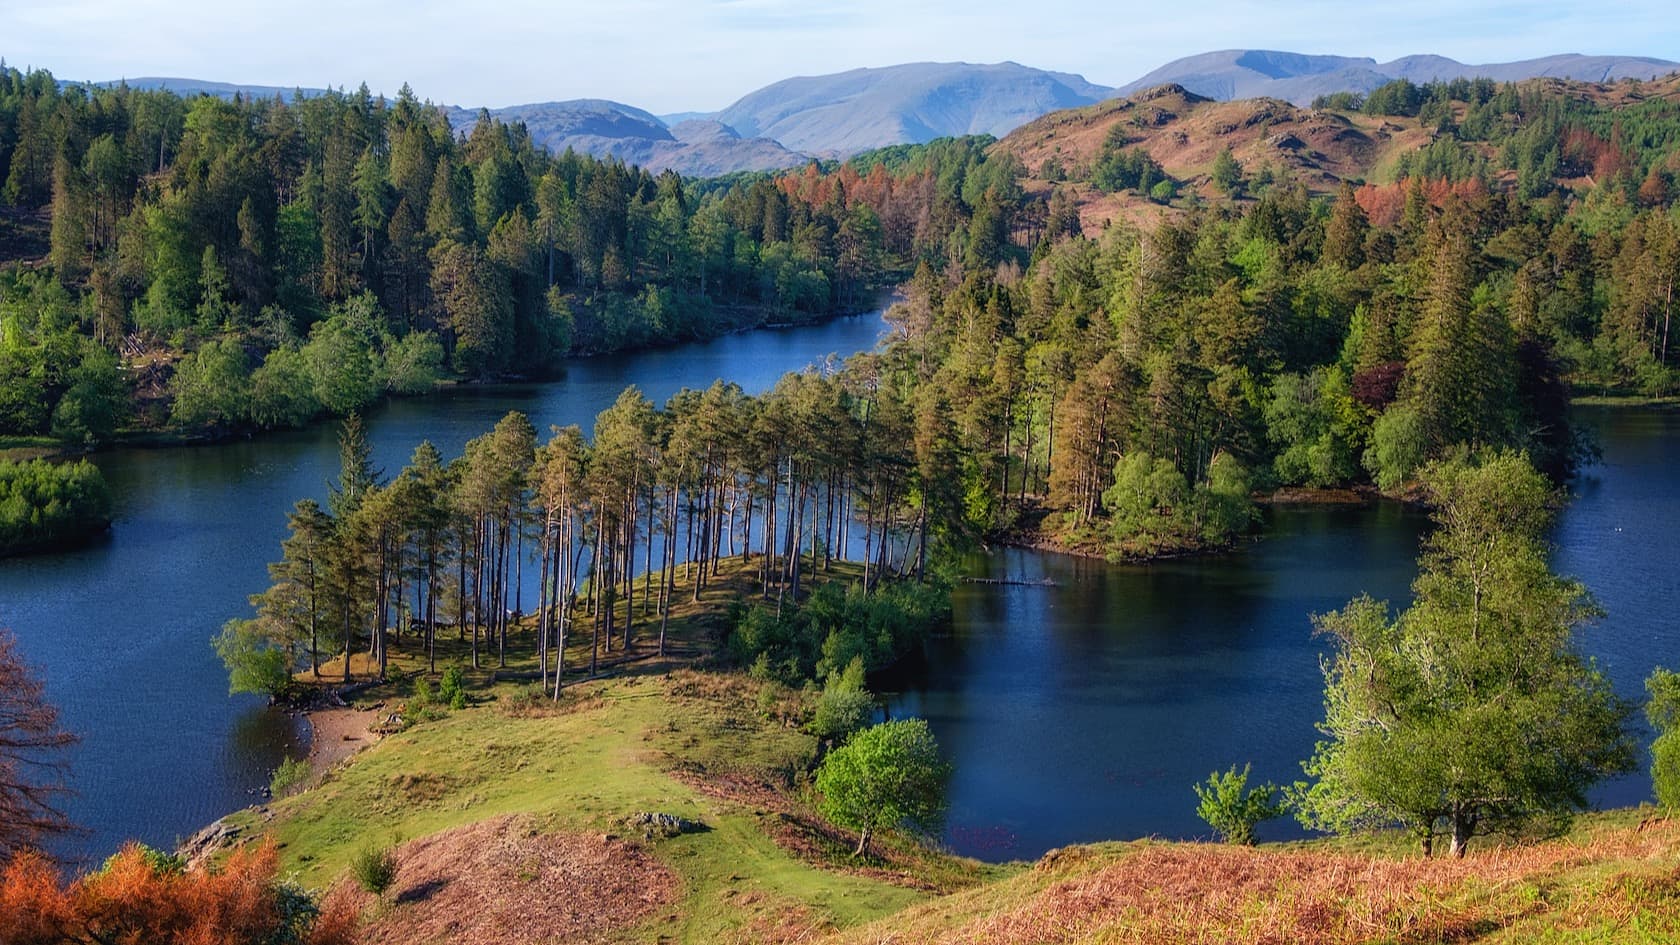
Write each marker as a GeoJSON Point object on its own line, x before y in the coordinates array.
{"type": "Point", "coordinates": [1385, 204]}
{"type": "Point", "coordinates": [142, 898]}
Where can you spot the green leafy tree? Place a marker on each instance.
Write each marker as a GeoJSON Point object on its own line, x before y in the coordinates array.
{"type": "Point", "coordinates": [1663, 712]}
{"type": "Point", "coordinates": [254, 662]}
{"type": "Point", "coordinates": [212, 386]}
{"type": "Point", "coordinates": [888, 775]}
{"type": "Point", "coordinates": [1232, 809]}
{"type": "Point", "coordinates": [1227, 173]}
{"type": "Point", "coordinates": [283, 390]}
{"type": "Point", "coordinates": [96, 402]}
{"type": "Point", "coordinates": [844, 705]}
{"type": "Point", "coordinates": [1472, 711]}
{"type": "Point", "coordinates": [1399, 445]}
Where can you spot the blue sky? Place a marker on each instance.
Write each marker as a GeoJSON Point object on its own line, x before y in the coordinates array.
{"type": "Point", "coordinates": [674, 55]}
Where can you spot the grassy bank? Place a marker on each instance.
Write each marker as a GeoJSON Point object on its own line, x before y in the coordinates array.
{"type": "Point", "coordinates": [514, 819]}
{"type": "Point", "coordinates": [514, 771]}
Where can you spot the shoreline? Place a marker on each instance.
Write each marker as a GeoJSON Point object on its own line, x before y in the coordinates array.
{"type": "Point", "coordinates": [167, 438]}
{"type": "Point", "coordinates": [335, 734]}
{"type": "Point", "coordinates": [1032, 536]}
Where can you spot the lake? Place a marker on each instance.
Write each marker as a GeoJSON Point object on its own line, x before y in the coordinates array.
{"type": "Point", "coordinates": [1085, 711]}
{"type": "Point", "coordinates": [121, 630]}
{"type": "Point", "coordinates": [1078, 712]}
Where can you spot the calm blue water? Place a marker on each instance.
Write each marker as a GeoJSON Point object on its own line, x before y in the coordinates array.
{"type": "Point", "coordinates": [1086, 711]}
{"type": "Point", "coordinates": [120, 631]}
{"type": "Point", "coordinates": [1071, 713]}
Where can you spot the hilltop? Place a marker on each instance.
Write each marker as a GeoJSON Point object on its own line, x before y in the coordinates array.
{"type": "Point", "coordinates": [1320, 148]}
{"type": "Point", "coordinates": [788, 122]}
{"type": "Point", "coordinates": [907, 104]}
{"type": "Point", "coordinates": [612, 129]}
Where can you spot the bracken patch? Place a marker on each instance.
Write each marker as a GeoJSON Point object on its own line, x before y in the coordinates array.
{"type": "Point", "coordinates": [1188, 893]}
{"type": "Point", "coordinates": [504, 881]}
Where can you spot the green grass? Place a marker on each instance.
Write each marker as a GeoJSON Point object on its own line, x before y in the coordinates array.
{"type": "Point", "coordinates": [604, 755]}
{"type": "Point", "coordinates": [654, 736]}
{"type": "Point", "coordinates": [18, 449]}
{"type": "Point", "coordinates": [1623, 400]}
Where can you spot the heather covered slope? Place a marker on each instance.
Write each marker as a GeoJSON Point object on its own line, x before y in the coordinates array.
{"type": "Point", "coordinates": [1319, 148]}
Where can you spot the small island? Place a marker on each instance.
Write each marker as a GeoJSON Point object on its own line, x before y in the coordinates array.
{"type": "Point", "coordinates": [46, 506]}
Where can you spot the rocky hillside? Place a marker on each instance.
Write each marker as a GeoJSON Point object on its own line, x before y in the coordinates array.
{"type": "Point", "coordinates": [1185, 132]}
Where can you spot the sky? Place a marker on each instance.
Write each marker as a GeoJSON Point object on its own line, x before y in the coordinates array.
{"type": "Point", "coordinates": [700, 55]}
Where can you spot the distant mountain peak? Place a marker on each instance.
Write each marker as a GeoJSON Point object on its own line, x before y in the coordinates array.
{"type": "Point", "coordinates": [1299, 78]}
{"type": "Point", "coordinates": [869, 107]}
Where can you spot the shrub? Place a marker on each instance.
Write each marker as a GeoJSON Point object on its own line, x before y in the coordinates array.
{"type": "Point", "coordinates": [254, 662]}
{"type": "Point", "coordinates": [374, 869]}
{"type": "Point", "coordinates": [291, 773]}
{"type": "Point", "coordinates": [45, 505]}
{"type": "Point", "coordinates": [453, 687]}
{"type": "Point", "coordinates": [844, 706]}
{"type": "Point", "coordinates": [836, 625]}
{"type": "Point", "coordinates": [1663, 711]}
{"type": "Point", "coordinates": [1231, 809]}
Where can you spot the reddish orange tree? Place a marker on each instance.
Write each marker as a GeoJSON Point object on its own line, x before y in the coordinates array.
{"type": "Point", "coordinates": [140, 896]}
{"type": "Point", "coordinates": [31, 760]}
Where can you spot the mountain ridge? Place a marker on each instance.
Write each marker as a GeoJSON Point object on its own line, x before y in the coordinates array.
{"type": "Point", "coordinates": [1298, 78]}
{"type": "Point", "coordinates": [789, 122]}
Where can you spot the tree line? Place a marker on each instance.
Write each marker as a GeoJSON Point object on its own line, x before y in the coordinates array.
{"type": "Point", "coordinates": [616, 528]}
{"type": "Point", "coordinates": [201, 243]}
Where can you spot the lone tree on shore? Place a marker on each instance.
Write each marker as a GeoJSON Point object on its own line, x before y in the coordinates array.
{"type": "Point", "coordinates": [888, 775]}
{"type": "Point", "coordinates": [1472, 711]}
{"type": "Point", "coordinates": [31, 764]}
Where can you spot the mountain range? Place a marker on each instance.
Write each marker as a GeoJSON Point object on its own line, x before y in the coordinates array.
{"type": "Point", "coordinates": [789, 122]}
{"type": "Point", "coordinates": [1293, 77]}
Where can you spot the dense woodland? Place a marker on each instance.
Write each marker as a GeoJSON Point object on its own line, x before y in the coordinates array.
{"type": "Point", "coordinates": [259, 263]}
{"type": "Point", "coordinates": [237, 265]}
{"type": "Point", "coordinates": [232, 264]}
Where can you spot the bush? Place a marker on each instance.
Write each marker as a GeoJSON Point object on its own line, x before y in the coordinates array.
{"type": "Point", "coordinates": [254, 662]}
{"type": "Point", "coordinates": [836, 625]}
{"type": "Point", "coordinates": [453, 687]}
{"type": "Point", "coordinates": [845, 704]}
{"type": "Point", "coordinates": [374, 869]}
{"type": "Point", "coordinates": [1231, 809]}
{"type": "Point", "coordinates": [1663, 711]}
{"type": "Point", "coordinates": [291, 773]}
